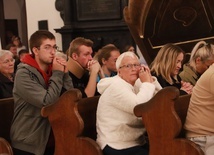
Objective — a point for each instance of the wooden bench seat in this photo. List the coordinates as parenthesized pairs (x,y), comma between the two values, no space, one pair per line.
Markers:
(163,117)
(6,116)
(73,121)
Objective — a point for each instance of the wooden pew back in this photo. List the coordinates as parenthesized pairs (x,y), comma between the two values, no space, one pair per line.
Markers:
(73,121)
(6,116)
(164,124)
(5,148)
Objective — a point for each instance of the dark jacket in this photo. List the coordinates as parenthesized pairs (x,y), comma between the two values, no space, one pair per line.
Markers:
(164,83)
(6,87)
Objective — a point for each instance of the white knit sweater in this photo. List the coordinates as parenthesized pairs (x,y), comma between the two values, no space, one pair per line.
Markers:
(117,126)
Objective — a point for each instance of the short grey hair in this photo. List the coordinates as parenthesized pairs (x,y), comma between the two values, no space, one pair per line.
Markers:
(3,52)
(125,54)
(62,55)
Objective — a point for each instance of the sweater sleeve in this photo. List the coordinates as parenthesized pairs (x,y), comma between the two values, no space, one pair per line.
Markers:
(126,99)
(30,87)
(67,82)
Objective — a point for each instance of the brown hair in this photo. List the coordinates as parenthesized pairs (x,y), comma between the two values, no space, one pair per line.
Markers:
(37,38)
(76,43)
(105,52)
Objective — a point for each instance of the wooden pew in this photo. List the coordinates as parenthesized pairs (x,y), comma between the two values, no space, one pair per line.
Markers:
(5,148)
(6,116)
(163,117)
(73,121)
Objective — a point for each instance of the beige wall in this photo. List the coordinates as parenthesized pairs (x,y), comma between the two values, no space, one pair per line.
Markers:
(43,10)
(12,11)
(36,10)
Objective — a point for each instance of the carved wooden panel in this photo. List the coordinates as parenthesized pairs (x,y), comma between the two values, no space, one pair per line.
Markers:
(183,22)
(101,21)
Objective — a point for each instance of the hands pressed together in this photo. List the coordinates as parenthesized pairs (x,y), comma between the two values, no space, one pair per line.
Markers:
(144,74)
(60,64)
(94,67)
(187,87)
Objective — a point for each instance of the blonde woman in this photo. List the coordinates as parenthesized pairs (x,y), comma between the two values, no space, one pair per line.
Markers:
(166,67)
(202,56)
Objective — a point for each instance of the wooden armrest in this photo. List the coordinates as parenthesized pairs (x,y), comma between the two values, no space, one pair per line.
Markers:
(6,116)
(68,125)
(163,124)
(5,147)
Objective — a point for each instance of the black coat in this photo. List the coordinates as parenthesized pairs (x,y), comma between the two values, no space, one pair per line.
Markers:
(164,83)
(6,87)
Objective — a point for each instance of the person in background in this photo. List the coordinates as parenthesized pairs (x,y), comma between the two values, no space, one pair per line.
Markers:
(21,55)
(12,48)
(39,82)
(107,57)
(17,41)
(166,67)
(6,73)
(129,48)
(199,124)
(119,131)
(82,68)
(202,56)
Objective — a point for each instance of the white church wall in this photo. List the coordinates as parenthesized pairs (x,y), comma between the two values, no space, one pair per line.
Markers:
(38,10)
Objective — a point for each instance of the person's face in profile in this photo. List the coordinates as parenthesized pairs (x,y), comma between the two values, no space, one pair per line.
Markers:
(7,64)
(178,64)
(111,62)
(84,56)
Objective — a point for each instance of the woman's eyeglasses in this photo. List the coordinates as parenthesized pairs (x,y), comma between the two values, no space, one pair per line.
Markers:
(130,66)
(7,61)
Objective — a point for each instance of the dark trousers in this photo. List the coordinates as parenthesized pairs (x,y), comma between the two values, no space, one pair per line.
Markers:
(136,150)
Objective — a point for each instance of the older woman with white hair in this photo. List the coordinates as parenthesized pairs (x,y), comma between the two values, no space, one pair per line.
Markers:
(202,56)
(6,73)
(119,130)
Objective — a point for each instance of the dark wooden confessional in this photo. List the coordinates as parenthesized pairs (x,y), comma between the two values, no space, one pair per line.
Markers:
(154,23)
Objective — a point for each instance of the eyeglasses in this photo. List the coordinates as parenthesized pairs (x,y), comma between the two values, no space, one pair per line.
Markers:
(7,61)
(49,48)
(130,66)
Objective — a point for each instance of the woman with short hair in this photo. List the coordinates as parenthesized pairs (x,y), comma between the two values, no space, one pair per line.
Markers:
(6,73)
(119,131)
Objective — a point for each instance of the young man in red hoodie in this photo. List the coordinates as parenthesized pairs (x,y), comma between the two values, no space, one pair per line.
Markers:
(40,79)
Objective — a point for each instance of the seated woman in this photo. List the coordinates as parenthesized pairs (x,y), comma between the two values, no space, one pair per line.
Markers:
(107,57)
(166,67)
(202,56)
(6,73)
(199,124)
(119,131)
(17,41)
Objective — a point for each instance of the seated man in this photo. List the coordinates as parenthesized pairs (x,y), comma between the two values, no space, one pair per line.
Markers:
(82,68)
